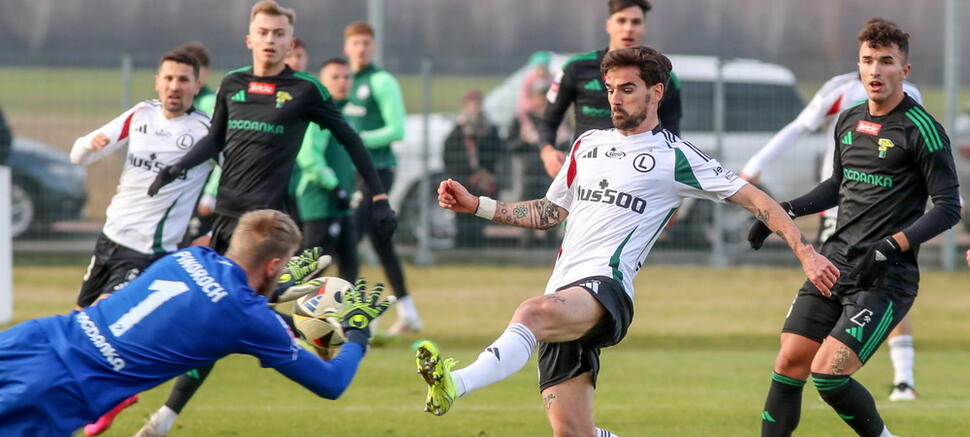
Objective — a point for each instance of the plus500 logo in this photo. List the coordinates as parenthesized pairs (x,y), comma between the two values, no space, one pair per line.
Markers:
(613,197)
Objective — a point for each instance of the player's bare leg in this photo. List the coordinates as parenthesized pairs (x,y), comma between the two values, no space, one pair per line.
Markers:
(569,408)
(784,402)
(902,353)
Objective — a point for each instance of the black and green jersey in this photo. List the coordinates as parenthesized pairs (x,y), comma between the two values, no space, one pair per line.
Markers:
(580,84)
(886,168)
(258,124)
(376,109)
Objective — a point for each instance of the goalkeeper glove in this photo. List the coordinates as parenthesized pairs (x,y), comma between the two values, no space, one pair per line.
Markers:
(759,230)
(165,176)
(359,309)
(874,264)
(293,282)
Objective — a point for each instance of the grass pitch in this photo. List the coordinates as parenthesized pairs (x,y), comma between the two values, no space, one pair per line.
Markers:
(695,363)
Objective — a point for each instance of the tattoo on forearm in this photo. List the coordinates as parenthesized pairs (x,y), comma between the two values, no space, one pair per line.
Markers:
(555,298)
(547,400)
(840,360)
(763,215)
(535,214)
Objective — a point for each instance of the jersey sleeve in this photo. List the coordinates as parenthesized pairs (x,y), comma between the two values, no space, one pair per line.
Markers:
(387,93)
(268,339)
(116,130)
(212,144)
(935,161)
(700,176)
(827,102)
(561,94)
(312,160)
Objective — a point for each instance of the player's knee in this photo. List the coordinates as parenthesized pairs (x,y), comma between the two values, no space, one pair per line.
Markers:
(570,428)
(793,362)
(535,313)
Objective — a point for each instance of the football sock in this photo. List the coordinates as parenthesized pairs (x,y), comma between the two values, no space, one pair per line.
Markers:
(901,351)
(507,355)
(406,309)
(886,433)
(604,433)
(164,418)
(185,387)
(851,401)
(783,407)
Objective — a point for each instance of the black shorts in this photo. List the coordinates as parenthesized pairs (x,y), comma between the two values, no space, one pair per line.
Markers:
(222,229)
(860,318)
(559,362)
(112,266)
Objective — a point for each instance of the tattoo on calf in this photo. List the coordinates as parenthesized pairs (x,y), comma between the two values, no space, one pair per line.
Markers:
(547,400)
(556,298)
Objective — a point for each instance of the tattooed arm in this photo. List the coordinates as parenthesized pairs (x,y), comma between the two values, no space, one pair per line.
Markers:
(817,268)
(534,214)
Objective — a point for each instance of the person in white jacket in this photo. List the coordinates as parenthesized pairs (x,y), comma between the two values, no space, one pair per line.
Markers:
(835,96)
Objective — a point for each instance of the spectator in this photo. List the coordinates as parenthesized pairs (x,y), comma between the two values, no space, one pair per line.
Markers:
(471,151)
(538,73)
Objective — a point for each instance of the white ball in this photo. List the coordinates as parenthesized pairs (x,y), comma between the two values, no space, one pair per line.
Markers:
(310,311)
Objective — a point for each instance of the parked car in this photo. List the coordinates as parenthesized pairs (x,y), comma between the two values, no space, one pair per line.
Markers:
(760,99)
(46,186)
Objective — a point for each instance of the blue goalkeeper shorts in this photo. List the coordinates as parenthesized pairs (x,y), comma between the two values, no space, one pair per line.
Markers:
(38,396)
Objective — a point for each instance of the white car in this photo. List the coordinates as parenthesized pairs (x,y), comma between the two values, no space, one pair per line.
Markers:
(760,99)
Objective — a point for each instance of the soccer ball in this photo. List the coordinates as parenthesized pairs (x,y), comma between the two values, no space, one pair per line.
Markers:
(311,310)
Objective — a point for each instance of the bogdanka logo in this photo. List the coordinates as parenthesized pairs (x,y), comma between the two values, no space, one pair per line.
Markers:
(866,178)
(262,88)
(867,127)
(259,126)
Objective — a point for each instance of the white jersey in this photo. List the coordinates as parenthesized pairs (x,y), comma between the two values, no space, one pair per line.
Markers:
(620,192)
(835,96)
(150,225)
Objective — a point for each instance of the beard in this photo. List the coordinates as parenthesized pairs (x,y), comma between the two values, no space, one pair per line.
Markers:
(629,122)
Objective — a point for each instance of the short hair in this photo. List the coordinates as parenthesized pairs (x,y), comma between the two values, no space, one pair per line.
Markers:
(198,50)
(619,5)
(270,7)
(334,60)
(181,57)
(654,66)
(299,43)
(262,235)
(358,28)
(879,32)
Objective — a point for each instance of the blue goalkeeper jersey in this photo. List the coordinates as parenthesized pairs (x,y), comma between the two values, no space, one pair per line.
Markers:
(189,308)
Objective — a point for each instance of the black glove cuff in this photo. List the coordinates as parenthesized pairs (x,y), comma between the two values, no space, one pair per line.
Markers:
(357,335)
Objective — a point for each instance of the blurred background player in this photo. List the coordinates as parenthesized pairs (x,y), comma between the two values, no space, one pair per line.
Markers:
(260,118)
(588,301)
(187,309)
(471,152)
(580,84)
(140,229)
(891,157)
(375,108)
(835,97)
(326,181)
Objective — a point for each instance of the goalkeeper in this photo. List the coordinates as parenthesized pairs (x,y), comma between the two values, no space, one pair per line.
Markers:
(58,373)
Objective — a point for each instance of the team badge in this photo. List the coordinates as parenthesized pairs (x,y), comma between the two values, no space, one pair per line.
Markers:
(282,97)
(644,162)
(184,141)
(868,127)
(884,145)
(262,88)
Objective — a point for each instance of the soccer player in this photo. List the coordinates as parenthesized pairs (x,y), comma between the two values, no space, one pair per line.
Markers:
(140,229)
(298,58)
(189,308)
(579,84)
(835,97)
(632,177)
(326,180)
(260,118)
(375,107)
(890,156)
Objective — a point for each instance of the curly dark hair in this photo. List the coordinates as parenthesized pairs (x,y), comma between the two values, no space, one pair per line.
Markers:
(654,66)
(879,32)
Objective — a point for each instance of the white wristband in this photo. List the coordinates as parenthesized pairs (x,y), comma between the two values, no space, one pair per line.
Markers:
(486,207)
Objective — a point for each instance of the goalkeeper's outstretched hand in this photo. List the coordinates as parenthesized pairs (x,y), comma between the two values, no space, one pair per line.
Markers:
(359,310)
(294,282)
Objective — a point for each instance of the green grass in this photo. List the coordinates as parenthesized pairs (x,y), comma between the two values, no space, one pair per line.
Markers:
(695,362)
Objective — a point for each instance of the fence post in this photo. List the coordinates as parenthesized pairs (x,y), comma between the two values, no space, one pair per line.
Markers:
(424,257)
(6,247)
(718,255)
(951,91)
(126,72)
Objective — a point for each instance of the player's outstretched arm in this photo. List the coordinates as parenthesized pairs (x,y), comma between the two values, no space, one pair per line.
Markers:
(819,270)
(533,214)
